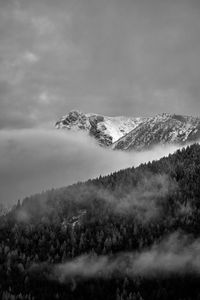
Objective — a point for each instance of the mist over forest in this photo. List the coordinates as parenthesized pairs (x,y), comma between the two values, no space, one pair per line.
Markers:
(134,232)
(34,160)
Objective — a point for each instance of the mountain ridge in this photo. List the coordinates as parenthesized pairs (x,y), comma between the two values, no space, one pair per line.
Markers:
(104,129)
(134,133)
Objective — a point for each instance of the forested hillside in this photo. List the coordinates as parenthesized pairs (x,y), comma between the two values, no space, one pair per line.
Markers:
(134,234)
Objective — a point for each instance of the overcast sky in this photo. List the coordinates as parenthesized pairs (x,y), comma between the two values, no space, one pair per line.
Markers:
(112,57)
(130,57)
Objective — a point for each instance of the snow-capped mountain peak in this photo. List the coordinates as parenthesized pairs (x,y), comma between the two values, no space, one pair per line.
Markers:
(106,130)
(133,133)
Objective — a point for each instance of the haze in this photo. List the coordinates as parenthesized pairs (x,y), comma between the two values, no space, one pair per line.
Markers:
(34,160)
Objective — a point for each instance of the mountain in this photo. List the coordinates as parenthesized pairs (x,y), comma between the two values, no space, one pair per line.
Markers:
(131,133)
(131,235)
(175,173)
(106,130)
(161,129)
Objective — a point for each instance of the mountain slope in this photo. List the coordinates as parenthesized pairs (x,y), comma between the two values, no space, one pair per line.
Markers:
(129,133)
(132,235)
(160,129)
(170,174)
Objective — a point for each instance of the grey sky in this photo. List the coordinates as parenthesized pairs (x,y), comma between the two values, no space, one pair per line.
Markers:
(131,57)
(115,57)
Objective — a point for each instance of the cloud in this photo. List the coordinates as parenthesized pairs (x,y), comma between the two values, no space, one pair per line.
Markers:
(14,70)
(42,25)
(136,58)
(44,98)
(32,160)
(146,201)
(31,57)
(176,254)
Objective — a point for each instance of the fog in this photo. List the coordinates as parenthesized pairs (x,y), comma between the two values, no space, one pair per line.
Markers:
(177,253)
(146,201)
(34,160)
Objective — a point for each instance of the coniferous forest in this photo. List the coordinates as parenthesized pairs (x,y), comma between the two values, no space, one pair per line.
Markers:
(132,235)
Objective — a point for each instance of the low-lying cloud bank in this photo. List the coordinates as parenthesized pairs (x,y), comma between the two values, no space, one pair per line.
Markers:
(146,201)
(176,254)
(33,160)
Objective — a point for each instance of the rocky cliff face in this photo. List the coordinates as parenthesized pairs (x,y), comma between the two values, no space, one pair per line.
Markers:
(129,133)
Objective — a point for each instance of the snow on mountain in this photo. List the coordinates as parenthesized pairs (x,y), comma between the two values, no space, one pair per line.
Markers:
(106,130)
(161,129)
(131,133)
